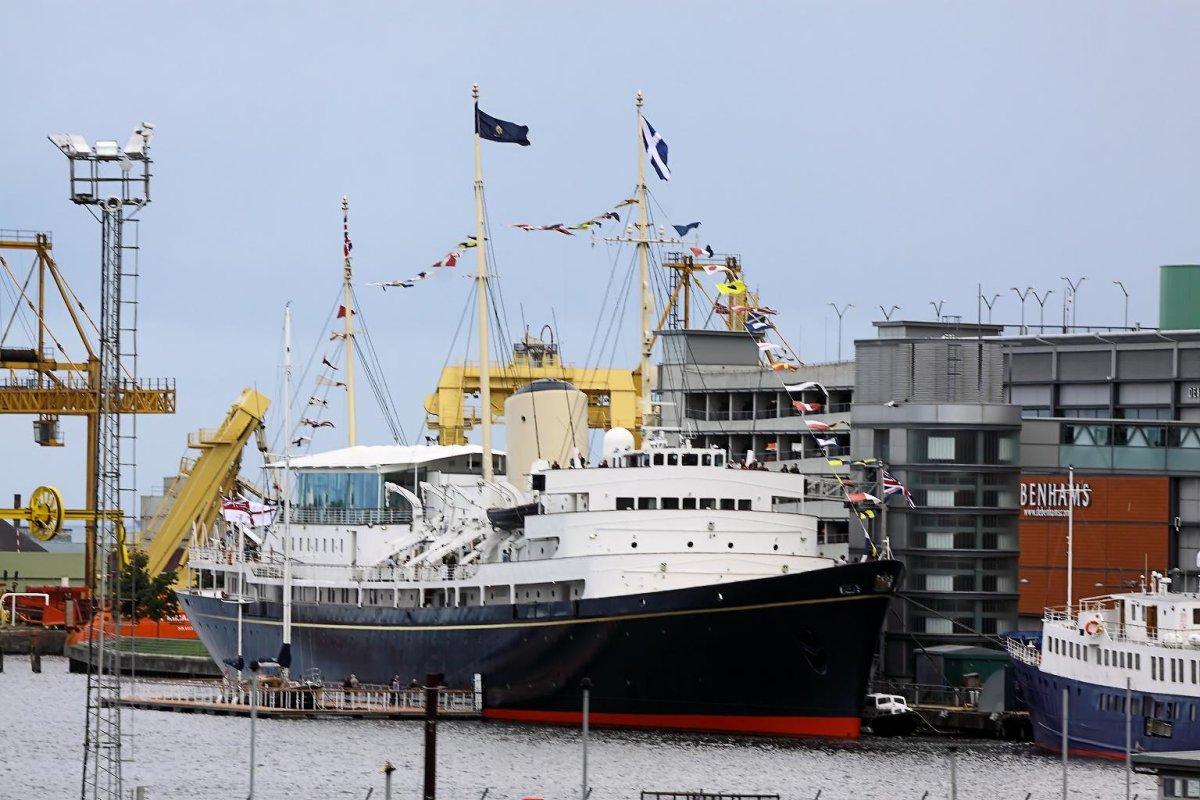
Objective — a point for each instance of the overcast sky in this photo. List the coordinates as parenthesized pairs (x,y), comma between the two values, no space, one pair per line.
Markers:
(851,152)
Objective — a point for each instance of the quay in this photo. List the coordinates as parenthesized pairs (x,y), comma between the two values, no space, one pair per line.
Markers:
(304,701)
(169,658)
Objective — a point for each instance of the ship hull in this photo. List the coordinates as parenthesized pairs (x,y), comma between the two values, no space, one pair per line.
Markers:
(786,655)
(1097,720)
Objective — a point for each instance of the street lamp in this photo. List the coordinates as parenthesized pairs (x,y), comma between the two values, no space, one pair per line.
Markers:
(1125,292)
(841,313)
(1022,295)
(989,304)
(887,314)
(1069,299)
(937,308)
(1041,301)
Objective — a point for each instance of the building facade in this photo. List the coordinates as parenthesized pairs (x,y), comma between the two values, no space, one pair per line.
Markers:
(929,403)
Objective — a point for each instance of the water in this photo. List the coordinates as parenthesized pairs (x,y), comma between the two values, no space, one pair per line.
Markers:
(201,757)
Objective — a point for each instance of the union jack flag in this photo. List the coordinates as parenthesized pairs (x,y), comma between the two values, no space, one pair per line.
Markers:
(892,486)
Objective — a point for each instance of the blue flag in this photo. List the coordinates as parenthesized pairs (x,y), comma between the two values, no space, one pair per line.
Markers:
(656,150)
(683,230)
(498,130)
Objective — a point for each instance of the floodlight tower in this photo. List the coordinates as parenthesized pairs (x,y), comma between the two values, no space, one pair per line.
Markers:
(114,184)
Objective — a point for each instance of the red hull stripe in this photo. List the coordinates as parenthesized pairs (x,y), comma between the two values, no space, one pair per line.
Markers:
(1084,752)
(833,727)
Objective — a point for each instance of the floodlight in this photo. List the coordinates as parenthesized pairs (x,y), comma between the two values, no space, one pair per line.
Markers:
(62,141)
(136,146)
(106,148)
(79,145)
(71,144)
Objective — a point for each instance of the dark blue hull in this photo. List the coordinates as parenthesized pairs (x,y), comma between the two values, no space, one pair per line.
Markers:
(1096,715)
(789,654)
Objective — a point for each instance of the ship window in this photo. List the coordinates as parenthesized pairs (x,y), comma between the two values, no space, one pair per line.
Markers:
(1137,660)
(1104,655)
(647,503)
(727,504)
(706,460)
(1193,671)
(1085,653)
(718,460)
(672,459)
(689,503)
(708,502)
(624,503)
(670,503)
(658,459)
(1196,616)
(743,505)
(690,460)
(1153,669)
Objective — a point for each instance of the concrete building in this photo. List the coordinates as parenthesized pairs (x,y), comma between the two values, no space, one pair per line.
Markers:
(713,389)
(929,402)
(1124,410)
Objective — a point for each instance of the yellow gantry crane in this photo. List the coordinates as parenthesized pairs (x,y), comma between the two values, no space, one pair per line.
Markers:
(41,380)
(614,395)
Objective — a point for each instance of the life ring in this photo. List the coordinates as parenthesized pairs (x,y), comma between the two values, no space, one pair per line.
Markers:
(1093,627)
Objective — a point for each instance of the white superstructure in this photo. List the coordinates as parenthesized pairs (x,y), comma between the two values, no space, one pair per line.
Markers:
(408,527)
(1150,637)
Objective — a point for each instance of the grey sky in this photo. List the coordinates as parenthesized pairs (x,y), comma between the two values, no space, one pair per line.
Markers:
(851,152)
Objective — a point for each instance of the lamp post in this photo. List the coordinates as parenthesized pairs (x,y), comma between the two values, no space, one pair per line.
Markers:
(989,304)
(840,313)
(1041,301)
(1069,298)
(1125,292)
(1021,296)
(937,308)
(887,313)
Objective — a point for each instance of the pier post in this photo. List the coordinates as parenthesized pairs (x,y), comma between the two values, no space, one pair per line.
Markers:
(1066,699)
(388,769)
(35,661)
(253,720)
(1,659)
(586,683)
(953,773)
(432,681)
(1128,735)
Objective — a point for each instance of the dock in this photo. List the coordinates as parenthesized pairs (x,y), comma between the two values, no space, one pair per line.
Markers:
(173,658)
(304,701)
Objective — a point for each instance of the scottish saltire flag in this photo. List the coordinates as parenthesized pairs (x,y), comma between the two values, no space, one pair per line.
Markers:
(683,230)
(656,150)
(498,130)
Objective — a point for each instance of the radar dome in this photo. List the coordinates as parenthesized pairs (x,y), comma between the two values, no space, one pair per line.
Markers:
(618,440)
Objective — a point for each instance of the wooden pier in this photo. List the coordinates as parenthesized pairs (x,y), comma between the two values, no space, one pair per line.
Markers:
(303,701)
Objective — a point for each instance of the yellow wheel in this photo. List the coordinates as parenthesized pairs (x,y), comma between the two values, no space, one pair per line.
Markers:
(45,512)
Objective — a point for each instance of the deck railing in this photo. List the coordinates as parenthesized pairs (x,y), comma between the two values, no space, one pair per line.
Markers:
(271,566)
(329,697)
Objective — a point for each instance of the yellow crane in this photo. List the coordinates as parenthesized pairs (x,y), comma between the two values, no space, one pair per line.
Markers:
(194,500)
(614,395)
(42,380)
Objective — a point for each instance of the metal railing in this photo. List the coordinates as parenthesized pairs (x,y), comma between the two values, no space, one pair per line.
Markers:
(324,697)
(1023,652)
(225,558)
(350,516)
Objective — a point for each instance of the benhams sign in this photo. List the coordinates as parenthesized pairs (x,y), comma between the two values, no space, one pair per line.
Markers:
(1052,499)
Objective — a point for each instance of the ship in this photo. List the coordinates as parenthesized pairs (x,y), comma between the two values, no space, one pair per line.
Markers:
(692,595)
(1128,666)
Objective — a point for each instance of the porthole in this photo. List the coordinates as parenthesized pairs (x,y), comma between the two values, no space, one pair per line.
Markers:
(633,545)
(774,547)
(689,544)
(731,545)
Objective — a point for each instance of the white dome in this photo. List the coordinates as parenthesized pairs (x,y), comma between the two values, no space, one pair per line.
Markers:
(618,440)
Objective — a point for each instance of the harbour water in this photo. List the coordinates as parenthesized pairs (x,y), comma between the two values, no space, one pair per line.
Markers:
(204,758)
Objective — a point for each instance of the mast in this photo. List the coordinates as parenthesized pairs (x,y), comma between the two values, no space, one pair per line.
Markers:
(348,327)
(287,478)
(481,304)
(643,250)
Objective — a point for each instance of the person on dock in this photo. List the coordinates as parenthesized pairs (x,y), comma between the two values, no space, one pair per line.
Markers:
(397,686)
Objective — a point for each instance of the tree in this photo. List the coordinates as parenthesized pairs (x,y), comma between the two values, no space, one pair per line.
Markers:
(144,596)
